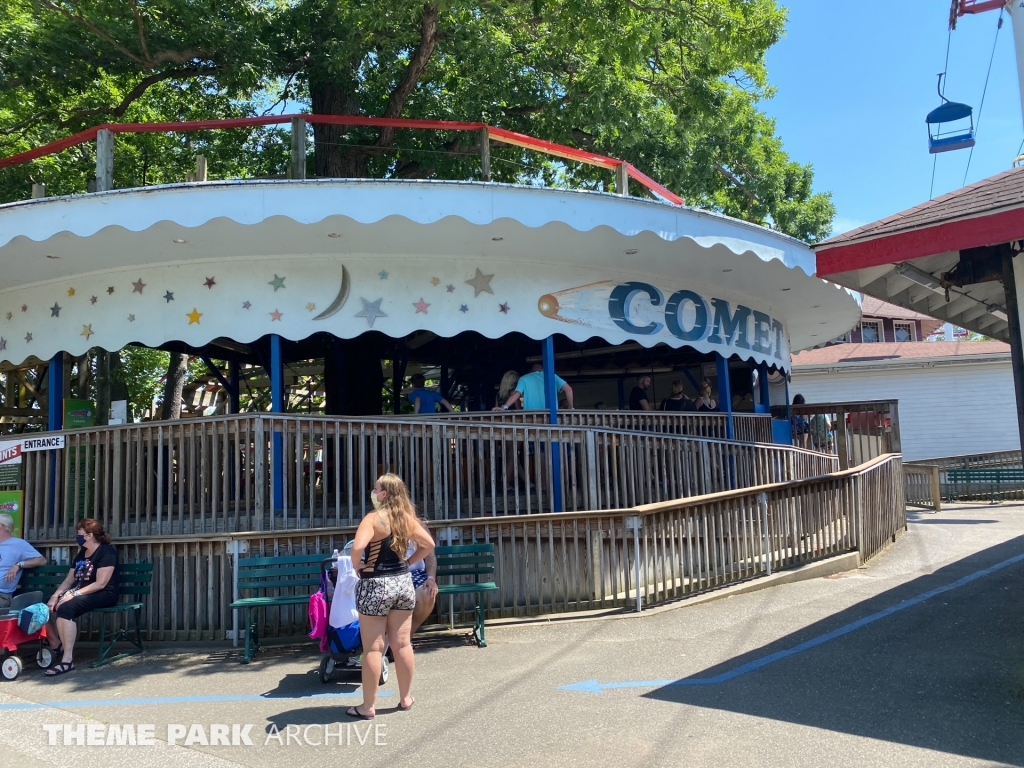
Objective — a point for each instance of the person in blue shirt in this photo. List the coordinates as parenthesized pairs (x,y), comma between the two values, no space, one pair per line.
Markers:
(531,389)
(15,556)
(425,400)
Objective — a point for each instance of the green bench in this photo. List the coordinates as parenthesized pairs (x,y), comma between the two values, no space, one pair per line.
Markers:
(969,481)
(135,582)
(297,574)
(474,560)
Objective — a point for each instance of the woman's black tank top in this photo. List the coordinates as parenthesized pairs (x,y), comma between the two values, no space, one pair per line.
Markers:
(380,560)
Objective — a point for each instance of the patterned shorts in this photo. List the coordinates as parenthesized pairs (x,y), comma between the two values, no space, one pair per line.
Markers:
(379,595)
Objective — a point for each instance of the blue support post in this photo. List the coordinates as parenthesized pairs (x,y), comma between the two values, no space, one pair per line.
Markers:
(725,399)
(54,421)
(762,380)
(724,393)
(55,399)
(277,406)
(551,395)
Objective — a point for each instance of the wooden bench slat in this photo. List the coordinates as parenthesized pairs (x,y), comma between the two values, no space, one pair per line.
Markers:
(259,573)
(280,584)
(463,549)
(254,562)
(465,560)
(483,586)
(254,602)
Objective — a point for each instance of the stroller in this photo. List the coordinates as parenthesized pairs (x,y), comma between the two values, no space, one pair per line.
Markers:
(343,642)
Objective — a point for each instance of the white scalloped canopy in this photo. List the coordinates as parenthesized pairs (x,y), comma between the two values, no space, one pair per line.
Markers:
(194,262)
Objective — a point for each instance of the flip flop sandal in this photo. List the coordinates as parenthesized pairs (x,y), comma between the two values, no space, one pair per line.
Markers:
(60,669)
(354,712)
(406,709)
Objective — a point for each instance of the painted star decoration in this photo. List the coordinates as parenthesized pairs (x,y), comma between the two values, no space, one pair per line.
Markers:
(138,285)
(169,297)
(28,337)
(71,291)
(24,307)
(277,282)
(463,309)
(210,282)
(55,310)
(371,310)
(480,283)
(450,288)
(435,282)
(10,315)
(383,275)
(193,316)
(131,318)
(86,331)
(275,315)
(421,306)
(503,308)
(246,304)
(92,299)
(310,307)
(110,290)
(3,343)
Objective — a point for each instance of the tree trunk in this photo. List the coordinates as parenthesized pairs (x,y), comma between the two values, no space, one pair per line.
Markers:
(330,158)
(177,367)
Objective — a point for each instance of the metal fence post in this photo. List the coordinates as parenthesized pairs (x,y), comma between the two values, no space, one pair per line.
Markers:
(634,522)
(762,505)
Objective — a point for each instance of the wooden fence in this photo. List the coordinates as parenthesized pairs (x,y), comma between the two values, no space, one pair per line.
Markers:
(855,432)
(558,562)
(270,472)
(748,427)
(964,488)
(923,487)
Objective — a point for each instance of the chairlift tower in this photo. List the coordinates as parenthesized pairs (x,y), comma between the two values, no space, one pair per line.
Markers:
(1015,10)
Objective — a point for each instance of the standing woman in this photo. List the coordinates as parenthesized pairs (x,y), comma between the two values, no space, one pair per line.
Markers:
(92,583)
(385,597)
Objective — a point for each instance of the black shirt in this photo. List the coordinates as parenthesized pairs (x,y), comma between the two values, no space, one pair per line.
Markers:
(635,397)
(86,568)
(671,404)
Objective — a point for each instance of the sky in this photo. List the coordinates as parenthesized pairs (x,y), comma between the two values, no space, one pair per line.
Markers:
(854,82)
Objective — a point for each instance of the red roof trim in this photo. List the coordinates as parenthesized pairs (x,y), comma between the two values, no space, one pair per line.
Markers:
(925,241)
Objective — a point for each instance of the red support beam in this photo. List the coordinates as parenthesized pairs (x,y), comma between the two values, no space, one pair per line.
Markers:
(975,232)
(499,134)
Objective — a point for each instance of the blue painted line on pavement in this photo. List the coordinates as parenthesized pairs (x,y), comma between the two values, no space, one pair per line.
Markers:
(182,700)
(593,686)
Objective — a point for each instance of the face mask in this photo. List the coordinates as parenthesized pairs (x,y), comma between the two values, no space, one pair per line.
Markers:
(374,500)
(80,538)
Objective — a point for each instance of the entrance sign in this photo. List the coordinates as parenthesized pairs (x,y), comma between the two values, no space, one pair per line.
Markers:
(42,443)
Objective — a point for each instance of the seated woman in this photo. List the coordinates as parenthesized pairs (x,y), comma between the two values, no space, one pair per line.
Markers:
(92,583)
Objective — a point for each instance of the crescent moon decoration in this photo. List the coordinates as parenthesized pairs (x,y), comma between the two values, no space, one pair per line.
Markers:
(339,300)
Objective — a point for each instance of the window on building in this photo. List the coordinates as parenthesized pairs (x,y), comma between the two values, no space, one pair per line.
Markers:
(870,331)
(903,331)
(844,339)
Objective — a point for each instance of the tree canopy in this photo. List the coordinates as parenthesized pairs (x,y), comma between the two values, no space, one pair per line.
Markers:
(673,86)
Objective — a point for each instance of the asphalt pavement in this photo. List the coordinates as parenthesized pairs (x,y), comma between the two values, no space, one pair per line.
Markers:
(916,659)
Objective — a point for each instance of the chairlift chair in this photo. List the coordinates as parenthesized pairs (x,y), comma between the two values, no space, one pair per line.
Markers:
(961,137)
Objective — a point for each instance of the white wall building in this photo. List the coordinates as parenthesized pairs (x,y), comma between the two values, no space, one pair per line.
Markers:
(954,397)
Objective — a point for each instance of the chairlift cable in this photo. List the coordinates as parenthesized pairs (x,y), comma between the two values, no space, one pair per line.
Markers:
(984,90)
(945,68)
